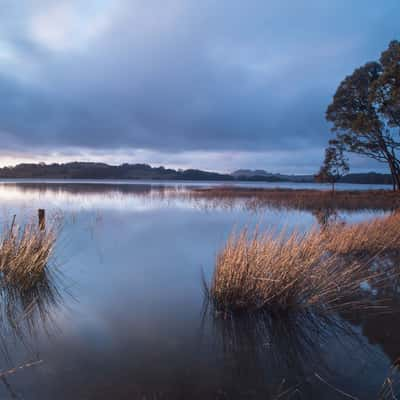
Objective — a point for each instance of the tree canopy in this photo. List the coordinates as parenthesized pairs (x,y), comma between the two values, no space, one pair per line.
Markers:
(365,111)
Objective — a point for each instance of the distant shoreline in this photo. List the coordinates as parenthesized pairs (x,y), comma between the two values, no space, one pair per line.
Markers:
(142,172)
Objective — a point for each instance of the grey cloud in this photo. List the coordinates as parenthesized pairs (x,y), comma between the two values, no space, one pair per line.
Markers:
(182,76)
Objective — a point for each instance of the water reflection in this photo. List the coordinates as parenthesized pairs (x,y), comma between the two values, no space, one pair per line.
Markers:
(325,217)
(138,332)
(26,314)
(383,328)
(283,351)
(77,197)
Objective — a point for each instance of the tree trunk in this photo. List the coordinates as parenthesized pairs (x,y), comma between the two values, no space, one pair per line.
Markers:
(395,172)
(397,180)
(393,177)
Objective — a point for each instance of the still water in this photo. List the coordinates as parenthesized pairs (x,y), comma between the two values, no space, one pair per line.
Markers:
(124,317)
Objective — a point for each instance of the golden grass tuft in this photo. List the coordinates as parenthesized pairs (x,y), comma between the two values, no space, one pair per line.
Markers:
(315,270)
(25,253)
(365,238)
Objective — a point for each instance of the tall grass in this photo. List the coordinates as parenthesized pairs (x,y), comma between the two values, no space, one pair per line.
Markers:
(380,235)
(299,199)
(25,252)
(320,269)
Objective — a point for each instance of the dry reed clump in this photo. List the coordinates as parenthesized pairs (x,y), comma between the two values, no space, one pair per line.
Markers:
(301,271)
(24,253)
(365,238)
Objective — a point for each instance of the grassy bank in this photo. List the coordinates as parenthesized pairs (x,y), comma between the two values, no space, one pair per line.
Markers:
(322,269)
(301,199)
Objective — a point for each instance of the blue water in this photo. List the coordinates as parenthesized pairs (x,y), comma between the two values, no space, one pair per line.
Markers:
(128,322)
(171,183)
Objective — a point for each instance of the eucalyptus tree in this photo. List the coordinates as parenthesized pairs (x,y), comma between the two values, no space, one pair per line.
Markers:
(365,111)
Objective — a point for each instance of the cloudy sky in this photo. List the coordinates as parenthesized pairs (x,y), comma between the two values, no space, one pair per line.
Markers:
(212,84)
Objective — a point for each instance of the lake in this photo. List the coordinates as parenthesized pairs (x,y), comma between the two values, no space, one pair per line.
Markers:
(124,316)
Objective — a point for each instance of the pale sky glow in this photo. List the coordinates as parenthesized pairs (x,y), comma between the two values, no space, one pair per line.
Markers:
(68,25)
(181,83)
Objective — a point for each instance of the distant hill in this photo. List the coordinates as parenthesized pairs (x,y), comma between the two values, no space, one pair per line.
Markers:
(251,174)
(92,170)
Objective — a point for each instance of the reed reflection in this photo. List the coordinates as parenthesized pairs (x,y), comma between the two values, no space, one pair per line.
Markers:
(278,356)
(26,314)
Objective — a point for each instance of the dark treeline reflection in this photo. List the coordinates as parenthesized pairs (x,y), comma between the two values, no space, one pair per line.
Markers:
(84,188)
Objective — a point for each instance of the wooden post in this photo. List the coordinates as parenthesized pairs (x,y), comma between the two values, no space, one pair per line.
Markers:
(42,219)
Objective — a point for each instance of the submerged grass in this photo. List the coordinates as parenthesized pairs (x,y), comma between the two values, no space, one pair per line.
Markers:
(326,270)
(391,386)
